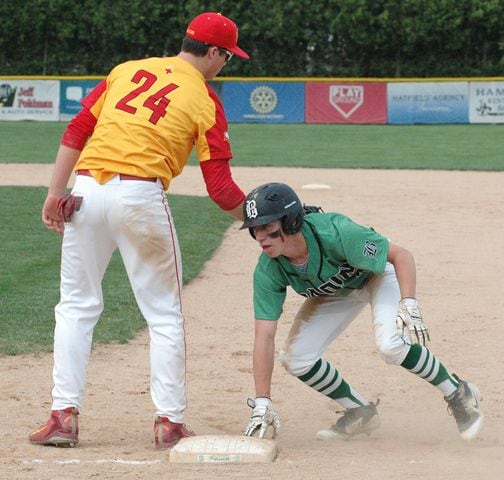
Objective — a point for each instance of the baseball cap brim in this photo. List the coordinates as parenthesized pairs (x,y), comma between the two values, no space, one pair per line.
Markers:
(238,51)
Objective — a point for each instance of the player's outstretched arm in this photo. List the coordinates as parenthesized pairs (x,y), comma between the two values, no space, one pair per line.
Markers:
(221,187)
(264,356)
(236,212)
(263,414)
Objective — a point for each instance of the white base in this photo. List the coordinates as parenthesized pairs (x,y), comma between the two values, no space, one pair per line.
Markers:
(224,449)
(315,186)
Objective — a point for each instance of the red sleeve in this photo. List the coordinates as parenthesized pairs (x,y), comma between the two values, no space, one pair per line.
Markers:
(79,129)
(220,184)
(94,95)
(82,125)
(217,137)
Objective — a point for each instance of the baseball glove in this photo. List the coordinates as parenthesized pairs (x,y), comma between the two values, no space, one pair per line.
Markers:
(67,205)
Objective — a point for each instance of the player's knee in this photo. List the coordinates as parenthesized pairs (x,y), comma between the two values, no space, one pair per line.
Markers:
(393,350)
(292,365)
(284,359)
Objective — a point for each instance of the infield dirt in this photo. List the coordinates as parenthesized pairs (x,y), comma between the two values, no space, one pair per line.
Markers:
(453,224)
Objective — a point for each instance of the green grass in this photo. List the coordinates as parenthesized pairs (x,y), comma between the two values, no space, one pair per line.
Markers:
(30,142)
(30,260)
(444,147)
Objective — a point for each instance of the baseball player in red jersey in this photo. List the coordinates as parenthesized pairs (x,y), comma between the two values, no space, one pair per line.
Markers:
(134,134)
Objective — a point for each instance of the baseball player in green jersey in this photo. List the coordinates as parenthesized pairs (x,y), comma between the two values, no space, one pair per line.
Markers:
(339,267)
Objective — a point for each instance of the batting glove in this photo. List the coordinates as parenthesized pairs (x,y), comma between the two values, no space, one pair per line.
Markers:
(67,205)
(263,416)
(409,316)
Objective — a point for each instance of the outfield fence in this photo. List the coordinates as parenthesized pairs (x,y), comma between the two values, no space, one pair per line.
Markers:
(291,100)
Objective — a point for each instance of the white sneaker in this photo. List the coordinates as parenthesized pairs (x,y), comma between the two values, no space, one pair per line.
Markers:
(354,421)
(464,405)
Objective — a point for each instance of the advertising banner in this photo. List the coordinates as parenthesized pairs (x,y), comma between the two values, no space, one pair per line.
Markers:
(29,99)
(264,102)
(428,102)
(71,94)
(345,102)
(486,102)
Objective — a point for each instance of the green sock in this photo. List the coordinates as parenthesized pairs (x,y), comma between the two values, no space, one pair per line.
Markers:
(424,364)
(324,378)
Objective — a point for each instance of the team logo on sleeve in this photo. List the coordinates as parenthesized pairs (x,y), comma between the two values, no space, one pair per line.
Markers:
(251,209)
(370,249)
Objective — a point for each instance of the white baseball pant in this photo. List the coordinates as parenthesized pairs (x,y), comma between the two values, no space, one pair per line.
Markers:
(133,216)
(320,320)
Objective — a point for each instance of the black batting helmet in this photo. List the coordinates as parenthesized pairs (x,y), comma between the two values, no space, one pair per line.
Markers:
(270,202)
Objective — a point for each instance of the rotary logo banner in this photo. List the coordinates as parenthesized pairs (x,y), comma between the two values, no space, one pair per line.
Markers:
(264,102)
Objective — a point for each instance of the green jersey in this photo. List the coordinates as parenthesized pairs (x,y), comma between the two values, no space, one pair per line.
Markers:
(342,255)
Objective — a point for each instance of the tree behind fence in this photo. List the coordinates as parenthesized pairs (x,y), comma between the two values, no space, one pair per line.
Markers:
(289,38)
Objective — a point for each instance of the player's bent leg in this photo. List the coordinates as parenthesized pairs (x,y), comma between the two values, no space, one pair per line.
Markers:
(463,398)
(317,324)
(392,349)
(423,363)
(327,380)
(384,296)
(61,430)
(359,416)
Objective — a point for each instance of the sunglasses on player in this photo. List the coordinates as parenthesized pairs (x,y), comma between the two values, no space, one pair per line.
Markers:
(228,54)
